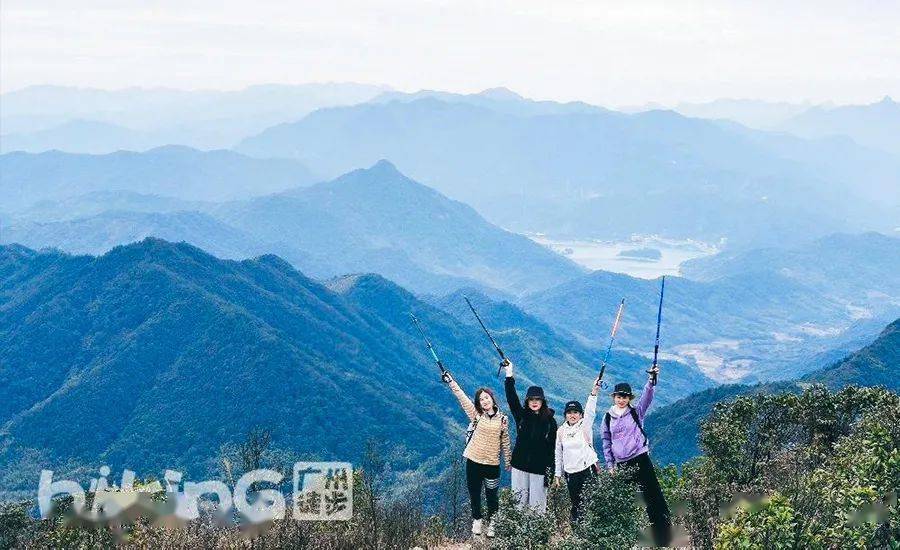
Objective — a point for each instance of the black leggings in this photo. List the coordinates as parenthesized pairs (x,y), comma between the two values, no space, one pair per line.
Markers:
(657,509)
(488,476)
(575,484)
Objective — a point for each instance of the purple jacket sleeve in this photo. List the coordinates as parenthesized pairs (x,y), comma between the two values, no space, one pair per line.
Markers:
(645,400)
(607,446)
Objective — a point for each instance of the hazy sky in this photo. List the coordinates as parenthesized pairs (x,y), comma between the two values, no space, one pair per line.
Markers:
(611,53)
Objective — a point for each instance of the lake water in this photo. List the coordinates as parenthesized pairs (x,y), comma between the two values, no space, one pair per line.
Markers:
(608,255)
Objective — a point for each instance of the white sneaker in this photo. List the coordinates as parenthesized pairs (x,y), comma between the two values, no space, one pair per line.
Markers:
(476,526)
(490,529)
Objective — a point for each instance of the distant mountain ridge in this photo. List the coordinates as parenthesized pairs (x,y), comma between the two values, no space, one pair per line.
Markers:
(876,125)
(97,202)
(859,269)
(379,220)
(102,232)
(79,136)
(39,118)
(594,172)
(496,99)
(174,171)
(755,315)
(749,112)
(730,327)
(369,220)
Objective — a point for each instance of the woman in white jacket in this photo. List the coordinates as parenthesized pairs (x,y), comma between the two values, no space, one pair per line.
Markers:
(576,458)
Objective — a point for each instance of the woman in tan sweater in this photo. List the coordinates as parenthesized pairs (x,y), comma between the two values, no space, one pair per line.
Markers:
(486,437)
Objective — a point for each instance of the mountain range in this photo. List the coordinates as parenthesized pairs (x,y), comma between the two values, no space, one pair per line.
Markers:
(873,125)
(87,120)
(599,173)
(372,220)
(172,171)
(873,365)
(568,170)
(673,428)
(155,354)
(556,350)
(753,113)
(876,125)
(101,232)
(727,327)
(759,315)
(381,221)
(81,136)
(858,269)
(501,100)
(739,316)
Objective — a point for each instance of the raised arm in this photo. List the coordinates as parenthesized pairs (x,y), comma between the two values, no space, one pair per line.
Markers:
(590,414)
(512,398)
(590,410)
(645,399)
(463,399)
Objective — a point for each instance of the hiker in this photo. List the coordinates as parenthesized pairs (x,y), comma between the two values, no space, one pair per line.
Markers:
(576,459)
(532,456)
(486,437)
(626,444)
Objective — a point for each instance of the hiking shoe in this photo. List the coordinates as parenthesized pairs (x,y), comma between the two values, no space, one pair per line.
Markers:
(490,529)
(476,526)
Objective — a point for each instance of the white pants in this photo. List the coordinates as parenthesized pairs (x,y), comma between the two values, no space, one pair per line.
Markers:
(530,490)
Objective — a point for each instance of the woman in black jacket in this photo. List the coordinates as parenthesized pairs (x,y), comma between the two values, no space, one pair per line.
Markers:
(533,454)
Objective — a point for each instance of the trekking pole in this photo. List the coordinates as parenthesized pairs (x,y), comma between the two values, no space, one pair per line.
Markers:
(653,373)
(503,360)
(428,343)
(612,337)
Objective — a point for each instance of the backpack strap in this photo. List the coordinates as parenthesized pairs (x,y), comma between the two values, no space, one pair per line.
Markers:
(473,425)
(634,415)
(637,421)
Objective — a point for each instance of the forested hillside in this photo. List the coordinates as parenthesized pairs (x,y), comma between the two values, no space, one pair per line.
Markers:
(674,428)
(103,358)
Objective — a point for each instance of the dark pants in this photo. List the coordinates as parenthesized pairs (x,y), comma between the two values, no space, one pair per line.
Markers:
(575,484)
(657,509)
(478,475)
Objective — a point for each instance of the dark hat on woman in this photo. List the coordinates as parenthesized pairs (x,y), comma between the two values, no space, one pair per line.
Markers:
(574,406)
(623,388)
(535,392)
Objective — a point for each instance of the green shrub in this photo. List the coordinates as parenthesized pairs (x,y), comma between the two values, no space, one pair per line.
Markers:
(612,517)
(520,527)
(772,525)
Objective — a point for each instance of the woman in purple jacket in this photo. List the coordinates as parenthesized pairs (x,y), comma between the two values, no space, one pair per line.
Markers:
(625,444)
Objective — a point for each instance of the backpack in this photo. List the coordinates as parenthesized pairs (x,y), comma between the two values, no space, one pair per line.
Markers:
(607,417)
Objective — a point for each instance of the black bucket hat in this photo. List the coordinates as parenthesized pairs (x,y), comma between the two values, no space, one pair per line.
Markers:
(573,406)
(623,388)
(535,392)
